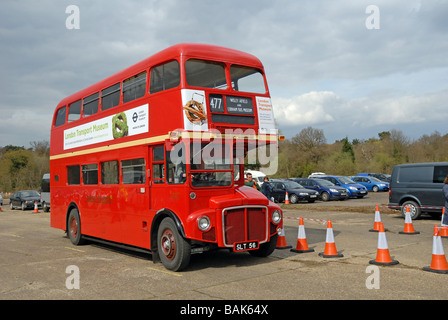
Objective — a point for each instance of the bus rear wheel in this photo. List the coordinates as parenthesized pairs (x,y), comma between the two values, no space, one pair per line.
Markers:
(74,228)
(174,250)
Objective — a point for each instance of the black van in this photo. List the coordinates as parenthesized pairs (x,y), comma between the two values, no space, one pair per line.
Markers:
(419,186)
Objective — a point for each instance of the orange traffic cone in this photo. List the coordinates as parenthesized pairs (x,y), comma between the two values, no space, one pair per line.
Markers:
(286,198)
(281,240)
(35,207)
(408,227)
(302,245)
(376,224)
(438,262)
(444,228)
(330,247)
(382,256)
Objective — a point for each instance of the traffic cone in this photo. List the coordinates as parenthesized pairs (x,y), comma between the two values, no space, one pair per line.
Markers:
(35,207)
(444,228)
(376,224)
(330,247)
(438,262)
(408,227)
(286,198)
(302,245)
(382,256)
(281,240)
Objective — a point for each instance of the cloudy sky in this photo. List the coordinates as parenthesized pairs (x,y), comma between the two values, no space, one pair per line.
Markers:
(333,65)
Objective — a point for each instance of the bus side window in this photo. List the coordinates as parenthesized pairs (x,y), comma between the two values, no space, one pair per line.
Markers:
(60,117)
(74,111)
(73,175)
(165,76)
(90,173)
(133,171)
(110,97)
(134,87)
(176,171)
(109,172)
(158,165)
(91,104)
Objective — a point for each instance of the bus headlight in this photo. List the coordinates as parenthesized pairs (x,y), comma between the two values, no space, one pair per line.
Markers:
(204,223)
(276,216)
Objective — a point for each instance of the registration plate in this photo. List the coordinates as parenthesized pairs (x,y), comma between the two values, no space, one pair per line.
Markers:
(243,246)
(313,196)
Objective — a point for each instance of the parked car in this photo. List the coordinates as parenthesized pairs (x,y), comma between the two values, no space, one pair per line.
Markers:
(1,200)
(419,187)
(381,176)
(296,192)
(327,190)
(354,189)
(24,199)
(372,183)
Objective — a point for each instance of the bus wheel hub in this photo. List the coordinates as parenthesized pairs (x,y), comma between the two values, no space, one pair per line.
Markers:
(168,244)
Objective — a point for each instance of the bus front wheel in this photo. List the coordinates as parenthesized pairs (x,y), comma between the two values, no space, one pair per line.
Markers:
(74,227)
(174,250)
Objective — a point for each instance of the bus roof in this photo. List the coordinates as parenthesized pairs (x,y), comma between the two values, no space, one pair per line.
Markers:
(186,50)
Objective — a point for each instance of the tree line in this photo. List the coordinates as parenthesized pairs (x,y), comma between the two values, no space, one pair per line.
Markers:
(309,152)
(22,168)
(306,152)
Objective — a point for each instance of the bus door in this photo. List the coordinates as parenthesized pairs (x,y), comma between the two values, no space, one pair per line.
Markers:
(168,177)
(134,199)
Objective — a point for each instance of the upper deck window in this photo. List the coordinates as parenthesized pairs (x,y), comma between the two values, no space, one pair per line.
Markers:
(60,117)
(74,111)
(247,79)
(91,104)
(205,74)
(134,87)
(110,97)
(165,76)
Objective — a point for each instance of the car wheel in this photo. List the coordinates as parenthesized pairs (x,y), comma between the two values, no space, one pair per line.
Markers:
(11,206)
(23,206)
(293,198)
(414,209)
(325,196)
(375,189)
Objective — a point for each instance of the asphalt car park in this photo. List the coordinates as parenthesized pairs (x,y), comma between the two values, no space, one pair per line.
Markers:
(38,262)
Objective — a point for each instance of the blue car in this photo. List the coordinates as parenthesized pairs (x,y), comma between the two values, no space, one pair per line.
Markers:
(354,189)
(327,190)
(372,183)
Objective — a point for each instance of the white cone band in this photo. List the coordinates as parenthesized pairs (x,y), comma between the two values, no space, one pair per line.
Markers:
(382,242)
(301,234)
(407,218)
(377,216)
(330,236)
(437,247)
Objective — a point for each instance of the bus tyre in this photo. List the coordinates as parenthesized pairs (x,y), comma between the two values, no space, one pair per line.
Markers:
(74,228)
(266,248)
(174,250)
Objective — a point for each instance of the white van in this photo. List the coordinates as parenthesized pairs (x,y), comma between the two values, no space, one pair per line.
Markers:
(257,175)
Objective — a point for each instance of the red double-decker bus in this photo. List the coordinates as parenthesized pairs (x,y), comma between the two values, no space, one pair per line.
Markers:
(152,157)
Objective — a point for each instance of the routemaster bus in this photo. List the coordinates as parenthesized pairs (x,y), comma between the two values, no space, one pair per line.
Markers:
(152,157)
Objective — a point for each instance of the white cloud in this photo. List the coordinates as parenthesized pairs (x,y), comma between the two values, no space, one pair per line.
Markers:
(307,109)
